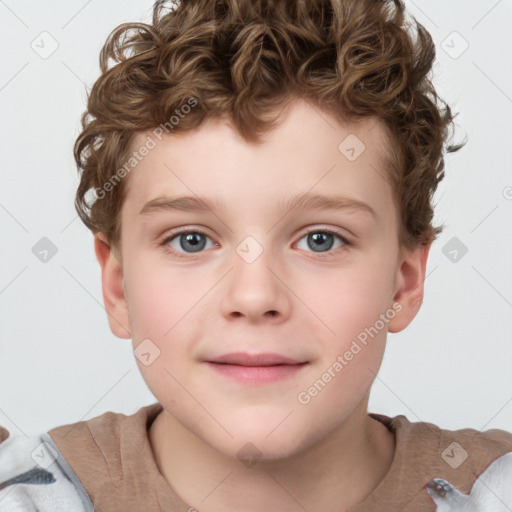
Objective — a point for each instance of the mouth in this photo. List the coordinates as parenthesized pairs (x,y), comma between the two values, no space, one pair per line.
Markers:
(257,368)
(244,359)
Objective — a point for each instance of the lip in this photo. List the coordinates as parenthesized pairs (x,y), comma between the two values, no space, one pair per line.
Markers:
(244,359)
(256,368)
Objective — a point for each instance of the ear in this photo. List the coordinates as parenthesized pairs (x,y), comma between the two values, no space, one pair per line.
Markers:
(112,285)
(409,286)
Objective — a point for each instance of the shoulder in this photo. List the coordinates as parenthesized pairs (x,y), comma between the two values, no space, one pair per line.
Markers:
(100,452)
(32,477)
(57,470)
(472,451)
(425,451)
(100,438)
(480,474)
(456,452)
(47,471)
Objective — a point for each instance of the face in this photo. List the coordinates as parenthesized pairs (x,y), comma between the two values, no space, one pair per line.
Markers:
(320,284)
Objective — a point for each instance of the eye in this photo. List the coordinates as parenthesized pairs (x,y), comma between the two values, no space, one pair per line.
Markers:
(322,241)
(187,242)
(190,241)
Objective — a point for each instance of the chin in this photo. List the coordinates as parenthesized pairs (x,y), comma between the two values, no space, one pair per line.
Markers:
(250,453)
(251,443)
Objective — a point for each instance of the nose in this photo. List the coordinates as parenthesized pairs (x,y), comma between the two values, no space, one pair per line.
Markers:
(256,286)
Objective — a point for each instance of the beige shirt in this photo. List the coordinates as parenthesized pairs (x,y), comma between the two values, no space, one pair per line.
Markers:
(112,457)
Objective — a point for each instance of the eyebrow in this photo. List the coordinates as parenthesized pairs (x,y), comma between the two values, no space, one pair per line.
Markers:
(302,201)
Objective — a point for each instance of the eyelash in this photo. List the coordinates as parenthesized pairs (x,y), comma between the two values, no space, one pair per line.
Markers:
(325,255)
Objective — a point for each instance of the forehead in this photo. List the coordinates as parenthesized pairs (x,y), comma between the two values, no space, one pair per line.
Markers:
(309,150)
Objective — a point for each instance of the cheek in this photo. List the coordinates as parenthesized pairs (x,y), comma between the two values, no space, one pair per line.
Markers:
(161,310)
(349,301)
(159,302)
(351,348)
(351,333)
(165,307)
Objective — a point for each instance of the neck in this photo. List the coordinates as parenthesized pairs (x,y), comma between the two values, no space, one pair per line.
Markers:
(333,475)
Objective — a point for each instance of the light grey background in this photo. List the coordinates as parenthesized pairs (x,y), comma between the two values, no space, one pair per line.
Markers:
(59,362)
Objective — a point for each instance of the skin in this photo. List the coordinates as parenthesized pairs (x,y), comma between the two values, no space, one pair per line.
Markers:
(327,454)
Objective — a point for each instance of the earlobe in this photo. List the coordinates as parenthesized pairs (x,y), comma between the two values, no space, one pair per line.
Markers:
(112,285)
(409,286)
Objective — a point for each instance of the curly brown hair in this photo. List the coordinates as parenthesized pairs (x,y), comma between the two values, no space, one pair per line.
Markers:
(245,60)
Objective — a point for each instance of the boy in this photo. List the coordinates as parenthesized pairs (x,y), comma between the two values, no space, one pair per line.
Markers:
(257,132)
